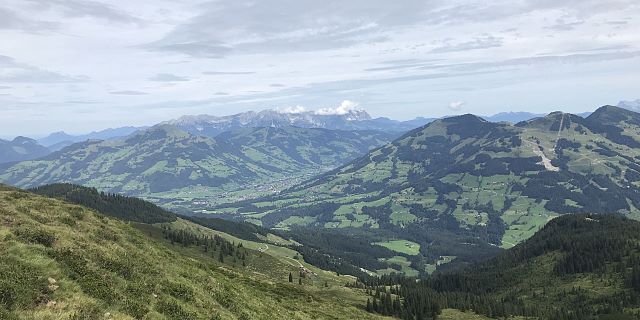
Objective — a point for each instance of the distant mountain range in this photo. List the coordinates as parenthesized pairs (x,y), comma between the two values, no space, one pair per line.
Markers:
(21,148)
(352,120)
(59,140)
(211,126)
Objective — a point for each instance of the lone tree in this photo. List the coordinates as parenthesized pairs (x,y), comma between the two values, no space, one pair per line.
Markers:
(290,277)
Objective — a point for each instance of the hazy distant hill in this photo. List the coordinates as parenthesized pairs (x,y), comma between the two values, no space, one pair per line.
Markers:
(513,117)
(20,149)
(630,105)
(59,140)
(165,158)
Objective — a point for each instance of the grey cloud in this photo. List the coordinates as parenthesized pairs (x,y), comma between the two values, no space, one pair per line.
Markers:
(208,49)
(129,93)
(5,87)
(212,73)
(87,8)
(562,25)
(287,25)
(441,72)
(13,21)
(83,102)
(478,43)
(576,58)
(168,77)
(19,72)
(277,85)
(248,27)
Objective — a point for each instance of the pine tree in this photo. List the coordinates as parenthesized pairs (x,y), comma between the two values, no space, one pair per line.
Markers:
(290,277)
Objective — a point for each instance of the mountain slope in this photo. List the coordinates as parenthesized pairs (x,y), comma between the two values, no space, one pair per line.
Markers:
(494,181)
(20,149)
(581,267)
(62,261)
(165,158)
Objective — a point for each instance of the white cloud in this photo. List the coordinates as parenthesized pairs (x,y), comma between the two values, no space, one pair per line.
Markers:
(345,107)
(456,105)
(296,109)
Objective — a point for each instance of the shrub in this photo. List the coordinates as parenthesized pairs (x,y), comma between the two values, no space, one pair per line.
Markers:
(19,284)
(36,235)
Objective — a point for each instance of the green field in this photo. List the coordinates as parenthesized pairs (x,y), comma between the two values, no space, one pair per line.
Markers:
(402,246)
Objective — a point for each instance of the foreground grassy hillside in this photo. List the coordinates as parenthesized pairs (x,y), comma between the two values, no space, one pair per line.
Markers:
(62,261)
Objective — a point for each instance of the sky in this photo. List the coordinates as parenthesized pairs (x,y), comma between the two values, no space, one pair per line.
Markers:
(84,65)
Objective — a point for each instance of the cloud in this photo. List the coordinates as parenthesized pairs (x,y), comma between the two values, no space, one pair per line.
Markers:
(277,85)
(296,109)
(345,107)
(83,101)
(167,77)
(13,21)
(213,73)
(456,105)
(241,27)
(86,8)
(483,42)
(245,26)
(129,93)
(13,71)
(563,25)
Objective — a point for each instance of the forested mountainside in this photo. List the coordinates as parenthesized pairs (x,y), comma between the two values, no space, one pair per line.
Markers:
(495,182)
(581,267)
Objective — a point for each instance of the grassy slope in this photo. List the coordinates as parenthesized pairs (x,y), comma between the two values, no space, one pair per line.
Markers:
(63,261)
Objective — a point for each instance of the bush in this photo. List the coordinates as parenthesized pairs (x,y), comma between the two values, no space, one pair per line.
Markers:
(173,310)
(179,291)
(19,284)
(36,235)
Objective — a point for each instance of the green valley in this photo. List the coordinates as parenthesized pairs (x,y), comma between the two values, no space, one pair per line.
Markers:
(486,182)
(184,171)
